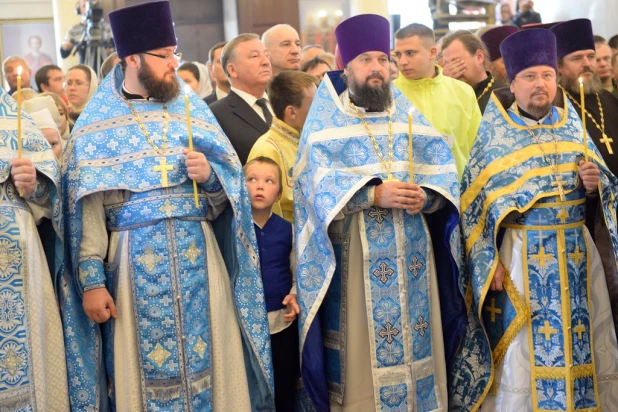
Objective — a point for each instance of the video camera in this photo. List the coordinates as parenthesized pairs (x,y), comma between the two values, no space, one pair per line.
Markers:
(94,18)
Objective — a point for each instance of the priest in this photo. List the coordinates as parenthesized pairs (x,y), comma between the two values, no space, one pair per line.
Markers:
(377,243)
(155,319)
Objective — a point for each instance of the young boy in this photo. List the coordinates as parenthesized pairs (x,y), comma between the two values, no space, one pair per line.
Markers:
(274,238)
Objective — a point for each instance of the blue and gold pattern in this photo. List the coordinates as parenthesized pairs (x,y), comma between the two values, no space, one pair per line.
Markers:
(107,151)
(16,380)
(508,183)
(336,160)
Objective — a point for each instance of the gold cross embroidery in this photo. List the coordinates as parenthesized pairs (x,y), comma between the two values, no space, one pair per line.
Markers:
(493,310)
(547,330)
(579,329)
(389,332)
(163,168)
(577,256)
(562,215)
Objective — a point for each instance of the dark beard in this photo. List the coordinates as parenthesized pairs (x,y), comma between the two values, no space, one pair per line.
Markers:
(158,89)
(572,86)
(373,99)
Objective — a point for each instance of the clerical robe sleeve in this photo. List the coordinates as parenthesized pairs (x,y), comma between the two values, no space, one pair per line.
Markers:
(94,242)
(475,122)
(39,200)
(362,199)
(217,199)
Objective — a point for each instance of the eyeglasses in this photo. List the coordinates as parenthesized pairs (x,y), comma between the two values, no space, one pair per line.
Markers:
(532,78)
(167,57)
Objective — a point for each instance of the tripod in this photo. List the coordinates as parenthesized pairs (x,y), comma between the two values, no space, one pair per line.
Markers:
(91,51)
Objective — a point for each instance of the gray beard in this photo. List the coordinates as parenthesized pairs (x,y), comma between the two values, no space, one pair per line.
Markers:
(572,86)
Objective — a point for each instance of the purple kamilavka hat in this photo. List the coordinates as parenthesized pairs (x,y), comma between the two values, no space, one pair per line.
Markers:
(529,48)
(361,34)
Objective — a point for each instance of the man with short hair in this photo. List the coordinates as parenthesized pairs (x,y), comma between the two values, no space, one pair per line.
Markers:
(222,84)
(376,276)
(9,69)
(153,313)
(540,334)
(492,39)
(604,65)
(310,51)
(464,59)
(245,113)
(283,45)
(613,43)
(577,59)
(448,104)
(316,67)
(291,93)
(50,78)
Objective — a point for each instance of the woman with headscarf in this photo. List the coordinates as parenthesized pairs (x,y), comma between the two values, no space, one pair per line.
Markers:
(197,77)
(81,85)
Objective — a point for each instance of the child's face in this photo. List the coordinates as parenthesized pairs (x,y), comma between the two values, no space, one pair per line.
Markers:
(263,184)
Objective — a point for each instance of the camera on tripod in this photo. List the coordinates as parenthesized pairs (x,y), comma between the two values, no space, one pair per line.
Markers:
(92,47)
(94,17)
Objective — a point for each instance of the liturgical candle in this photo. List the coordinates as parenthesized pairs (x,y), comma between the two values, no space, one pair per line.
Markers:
(581,97)
(411,151)
(197,202)
(19,145)
(19,149)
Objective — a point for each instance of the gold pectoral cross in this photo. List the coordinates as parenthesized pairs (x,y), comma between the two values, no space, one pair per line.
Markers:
(163,168)
(559,183)
(607,140)
(390,178)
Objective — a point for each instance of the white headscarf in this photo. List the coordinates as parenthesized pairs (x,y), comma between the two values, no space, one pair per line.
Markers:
(205,85)
(40,103)
(94,83)
(44,120)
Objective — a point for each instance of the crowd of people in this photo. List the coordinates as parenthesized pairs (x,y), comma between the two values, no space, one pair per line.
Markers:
(428,226)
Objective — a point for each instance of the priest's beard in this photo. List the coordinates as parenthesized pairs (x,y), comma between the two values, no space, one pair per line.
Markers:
(159,89)
(593,85)
(539,110)
(373,99)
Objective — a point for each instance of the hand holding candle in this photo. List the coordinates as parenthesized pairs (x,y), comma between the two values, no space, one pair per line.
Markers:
(190,131)
(581,97)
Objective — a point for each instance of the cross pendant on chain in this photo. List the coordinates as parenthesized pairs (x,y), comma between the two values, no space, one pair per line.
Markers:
(559,183)
(163,168)
(607,140)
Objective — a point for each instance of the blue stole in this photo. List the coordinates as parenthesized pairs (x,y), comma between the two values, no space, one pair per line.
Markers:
(336,160)
(108,151)
(17,385)
(508,172)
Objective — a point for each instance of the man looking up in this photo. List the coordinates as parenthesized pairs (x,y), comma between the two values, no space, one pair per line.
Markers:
(283,45)
(577,59)
(143,254)
(245,113)
(291,93)
(464,59)
(372,285)
(448,104)
(222,84)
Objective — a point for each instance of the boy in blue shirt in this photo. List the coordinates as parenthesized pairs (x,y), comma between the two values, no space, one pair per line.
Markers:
(274,238)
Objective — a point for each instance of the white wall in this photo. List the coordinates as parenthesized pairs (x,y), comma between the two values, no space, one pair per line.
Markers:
(26,9)
(602,13)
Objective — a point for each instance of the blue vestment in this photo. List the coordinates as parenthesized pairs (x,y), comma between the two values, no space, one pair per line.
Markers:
(168,264)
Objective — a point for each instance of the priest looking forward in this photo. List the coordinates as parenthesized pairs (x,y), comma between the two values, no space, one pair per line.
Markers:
(167,327)
(577,60)
(377,249)
(541,336)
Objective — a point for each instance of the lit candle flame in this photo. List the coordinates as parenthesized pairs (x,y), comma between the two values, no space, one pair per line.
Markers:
(581,81)
(19,70)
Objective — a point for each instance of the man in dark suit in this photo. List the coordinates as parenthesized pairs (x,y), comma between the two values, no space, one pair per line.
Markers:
(245,114)
(222,85)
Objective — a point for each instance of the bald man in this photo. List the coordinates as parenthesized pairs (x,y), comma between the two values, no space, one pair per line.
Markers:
(283,45)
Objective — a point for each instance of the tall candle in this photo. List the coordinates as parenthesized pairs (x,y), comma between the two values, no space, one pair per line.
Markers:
(19,144)
(581,97)
(411,150)
(195,196)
